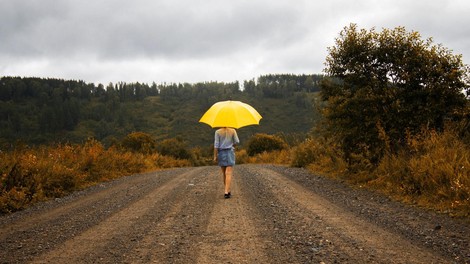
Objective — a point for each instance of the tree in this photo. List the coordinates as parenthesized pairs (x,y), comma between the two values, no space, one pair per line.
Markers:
(385,85)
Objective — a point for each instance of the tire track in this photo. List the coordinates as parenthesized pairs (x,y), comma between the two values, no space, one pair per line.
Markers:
(60,210)
(231,235)
(274,222)
(331,233)
(29,233)
(112,235)
(180,216)
(437,232)
(174,237)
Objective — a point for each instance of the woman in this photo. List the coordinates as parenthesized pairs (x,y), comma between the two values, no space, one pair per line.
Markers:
(224,153)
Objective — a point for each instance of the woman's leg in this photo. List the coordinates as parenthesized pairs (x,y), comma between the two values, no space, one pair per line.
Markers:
(223,169)
(228,178)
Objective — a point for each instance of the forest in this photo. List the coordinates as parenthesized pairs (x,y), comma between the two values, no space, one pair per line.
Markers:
(42,111)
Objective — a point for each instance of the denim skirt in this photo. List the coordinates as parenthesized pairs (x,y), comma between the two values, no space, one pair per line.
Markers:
(226,157)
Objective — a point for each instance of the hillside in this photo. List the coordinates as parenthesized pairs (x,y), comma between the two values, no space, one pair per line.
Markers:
(42,111)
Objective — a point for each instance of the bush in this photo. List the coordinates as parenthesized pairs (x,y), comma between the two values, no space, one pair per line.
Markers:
(304,154)
(139,142)
(319,156)
(434,170)
(29,175)
(260,143)
(174,147)
(202,156)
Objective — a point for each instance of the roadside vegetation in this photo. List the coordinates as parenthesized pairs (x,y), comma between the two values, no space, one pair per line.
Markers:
(432,171)
(396,118)
(33,174)
(392,116)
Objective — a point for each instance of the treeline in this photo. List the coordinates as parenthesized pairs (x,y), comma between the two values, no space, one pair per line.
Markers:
(282,85)
(45,90)
(42,110)
(18,89)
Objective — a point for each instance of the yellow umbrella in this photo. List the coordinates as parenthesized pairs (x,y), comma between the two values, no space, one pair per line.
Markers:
(231,114)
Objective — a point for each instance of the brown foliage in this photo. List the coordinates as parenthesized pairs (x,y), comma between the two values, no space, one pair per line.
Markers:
(29,175)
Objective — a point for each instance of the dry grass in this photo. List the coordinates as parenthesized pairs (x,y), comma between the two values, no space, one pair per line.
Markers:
(29,175)
(319,156)
(433,172)
(272,157)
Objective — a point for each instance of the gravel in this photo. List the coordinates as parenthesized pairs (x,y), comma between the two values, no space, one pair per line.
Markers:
(276,214)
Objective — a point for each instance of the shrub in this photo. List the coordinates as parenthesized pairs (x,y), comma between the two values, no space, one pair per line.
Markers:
(13,200)
(202,156)
(434,170)
(139,142)
(260,143)
(319,156)
(304,154)
(29,175)
(272,157)
(174,147)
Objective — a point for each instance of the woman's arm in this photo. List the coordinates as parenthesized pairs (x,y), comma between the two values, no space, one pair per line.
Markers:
(215,154)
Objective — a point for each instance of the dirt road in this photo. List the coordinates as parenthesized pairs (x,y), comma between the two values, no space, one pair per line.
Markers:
(276,215)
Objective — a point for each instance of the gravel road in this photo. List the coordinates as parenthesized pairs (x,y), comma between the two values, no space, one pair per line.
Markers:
(276,215)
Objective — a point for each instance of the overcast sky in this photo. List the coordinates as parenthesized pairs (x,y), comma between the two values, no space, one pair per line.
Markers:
(104,41)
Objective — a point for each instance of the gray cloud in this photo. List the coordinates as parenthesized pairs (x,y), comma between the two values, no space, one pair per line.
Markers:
(200,40)
(128,29)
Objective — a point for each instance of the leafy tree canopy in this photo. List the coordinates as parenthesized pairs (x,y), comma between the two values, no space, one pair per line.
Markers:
(387,84)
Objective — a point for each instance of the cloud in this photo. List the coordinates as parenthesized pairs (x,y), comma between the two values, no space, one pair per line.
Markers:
(139,29)
(199,40)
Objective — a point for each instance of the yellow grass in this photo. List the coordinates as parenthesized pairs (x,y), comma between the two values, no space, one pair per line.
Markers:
(433,172)
(29,175)
(272,157)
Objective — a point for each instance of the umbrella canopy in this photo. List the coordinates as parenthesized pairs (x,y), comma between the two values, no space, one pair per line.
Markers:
(231,114)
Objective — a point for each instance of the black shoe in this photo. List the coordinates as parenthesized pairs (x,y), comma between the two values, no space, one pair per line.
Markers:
(227,195)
